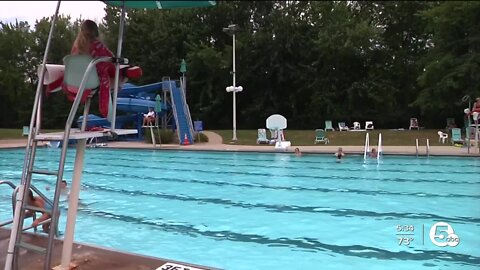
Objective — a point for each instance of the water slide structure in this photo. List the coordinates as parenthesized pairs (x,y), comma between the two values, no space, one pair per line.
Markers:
(133,101)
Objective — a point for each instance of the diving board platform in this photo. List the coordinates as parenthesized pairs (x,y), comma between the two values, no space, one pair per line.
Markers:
(76,134)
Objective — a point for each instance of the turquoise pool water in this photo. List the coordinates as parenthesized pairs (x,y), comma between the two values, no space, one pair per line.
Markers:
(272,211)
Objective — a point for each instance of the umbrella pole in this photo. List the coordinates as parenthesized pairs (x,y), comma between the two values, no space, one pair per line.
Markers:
(117,67)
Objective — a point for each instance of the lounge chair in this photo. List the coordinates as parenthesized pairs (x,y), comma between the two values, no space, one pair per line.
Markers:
(369,125)
(328,125)
(25,130)
(262,136)
(413,124)
(342,126)
(356,126)
(273,134)
(456,136)
(442,136)
(320,136)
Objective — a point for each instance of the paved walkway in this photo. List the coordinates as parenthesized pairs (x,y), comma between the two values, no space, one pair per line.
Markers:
(213,138)
(215,144)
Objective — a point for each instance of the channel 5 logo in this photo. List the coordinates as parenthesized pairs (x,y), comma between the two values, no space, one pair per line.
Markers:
(442,235)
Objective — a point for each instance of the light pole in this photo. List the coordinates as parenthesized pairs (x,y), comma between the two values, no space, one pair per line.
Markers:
(231,30)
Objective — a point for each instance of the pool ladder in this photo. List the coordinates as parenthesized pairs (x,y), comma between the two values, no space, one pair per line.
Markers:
(427,147)
(367,146)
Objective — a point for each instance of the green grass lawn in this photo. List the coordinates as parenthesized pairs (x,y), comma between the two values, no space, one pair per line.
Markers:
(306,137)
(11,133)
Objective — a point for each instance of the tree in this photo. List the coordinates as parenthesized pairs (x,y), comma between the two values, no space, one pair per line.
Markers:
(15,94)
(452,65)
(55,107)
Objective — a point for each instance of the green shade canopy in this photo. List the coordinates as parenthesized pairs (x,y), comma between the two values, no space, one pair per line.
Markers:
(161,4)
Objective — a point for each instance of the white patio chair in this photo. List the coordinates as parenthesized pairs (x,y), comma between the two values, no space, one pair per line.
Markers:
(356,125)
(442,136)
(369,125)
(342,126)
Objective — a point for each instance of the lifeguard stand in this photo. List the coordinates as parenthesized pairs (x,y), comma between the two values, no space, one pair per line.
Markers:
(82,81)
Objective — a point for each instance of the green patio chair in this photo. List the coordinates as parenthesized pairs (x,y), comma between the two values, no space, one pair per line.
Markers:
(320,136)
(25,130)
(456,136)
(328,125)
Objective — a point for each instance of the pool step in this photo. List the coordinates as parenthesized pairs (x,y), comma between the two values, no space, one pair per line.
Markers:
(37,209)
(45,172)
(31,247)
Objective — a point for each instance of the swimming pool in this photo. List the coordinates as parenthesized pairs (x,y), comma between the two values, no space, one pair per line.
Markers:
(272,211)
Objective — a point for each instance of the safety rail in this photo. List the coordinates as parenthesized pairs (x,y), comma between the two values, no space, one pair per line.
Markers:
(427,147)
(15,190)
(4,182)
(186,108)
(174,107)
(367,146)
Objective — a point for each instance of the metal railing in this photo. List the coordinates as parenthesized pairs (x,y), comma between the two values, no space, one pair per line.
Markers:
(187,109)
(174,108)
(427,147)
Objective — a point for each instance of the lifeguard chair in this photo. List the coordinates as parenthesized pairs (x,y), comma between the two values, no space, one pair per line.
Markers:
(16,244)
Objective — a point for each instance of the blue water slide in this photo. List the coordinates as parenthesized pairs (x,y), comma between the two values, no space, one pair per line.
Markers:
(135,105)
(147,91)
(181,115)
(131,99)
(130,105)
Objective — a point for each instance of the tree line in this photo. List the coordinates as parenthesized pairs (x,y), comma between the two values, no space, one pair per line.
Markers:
(310,61)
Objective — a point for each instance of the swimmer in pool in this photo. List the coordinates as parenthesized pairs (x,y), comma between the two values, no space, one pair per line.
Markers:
(339,154)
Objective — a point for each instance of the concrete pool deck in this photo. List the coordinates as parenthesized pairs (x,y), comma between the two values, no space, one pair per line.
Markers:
(85,257)
(215,144)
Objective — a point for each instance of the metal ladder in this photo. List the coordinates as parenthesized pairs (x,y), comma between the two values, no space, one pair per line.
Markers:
(427,147)
(29,169)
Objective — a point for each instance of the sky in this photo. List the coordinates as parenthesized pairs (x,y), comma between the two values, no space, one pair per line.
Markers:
(36,10)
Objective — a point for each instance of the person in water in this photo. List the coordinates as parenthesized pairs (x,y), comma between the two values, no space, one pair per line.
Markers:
(373,153)
(297,152)
(339,154)
(38,202)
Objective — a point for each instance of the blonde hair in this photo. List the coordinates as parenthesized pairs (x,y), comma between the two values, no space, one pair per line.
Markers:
(88,33)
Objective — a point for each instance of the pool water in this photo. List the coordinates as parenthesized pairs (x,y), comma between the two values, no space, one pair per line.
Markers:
(272,211)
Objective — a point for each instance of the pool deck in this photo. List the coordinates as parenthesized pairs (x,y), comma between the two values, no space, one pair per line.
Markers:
(92,257)
(85,257)
(215,144)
